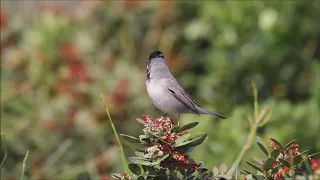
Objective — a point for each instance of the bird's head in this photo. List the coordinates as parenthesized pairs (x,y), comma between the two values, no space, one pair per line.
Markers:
(156,64)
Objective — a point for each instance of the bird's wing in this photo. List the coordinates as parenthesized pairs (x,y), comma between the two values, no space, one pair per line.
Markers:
(178,92)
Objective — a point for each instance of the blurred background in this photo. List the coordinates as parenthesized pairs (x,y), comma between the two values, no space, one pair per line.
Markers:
(58,56)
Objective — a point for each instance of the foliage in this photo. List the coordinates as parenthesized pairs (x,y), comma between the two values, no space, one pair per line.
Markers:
(55,60)
(164,152)
(282,162)
(164,156)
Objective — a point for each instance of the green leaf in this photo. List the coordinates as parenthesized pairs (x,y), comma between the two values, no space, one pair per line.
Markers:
(189,126)
(158,161)
(141,161)
(134,168)
(195,141)
(140,121)
(143,137)
(215,171)
(284,162)
(268,164)
(116,175)
(223,169)
(130,139)
(182,138)
(275,153)
(312,155)
(297,160)
(290,143)
(176,129)
(244,171)
(139,154)
(277,143)
(262,145)
(254,166)
(305,151)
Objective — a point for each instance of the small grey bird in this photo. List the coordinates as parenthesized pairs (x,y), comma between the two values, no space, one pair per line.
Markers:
(165,91)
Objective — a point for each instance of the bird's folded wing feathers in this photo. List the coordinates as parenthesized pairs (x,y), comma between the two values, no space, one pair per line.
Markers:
(184,97)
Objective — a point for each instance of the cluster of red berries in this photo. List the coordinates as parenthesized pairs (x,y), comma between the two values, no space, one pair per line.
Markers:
(163,126)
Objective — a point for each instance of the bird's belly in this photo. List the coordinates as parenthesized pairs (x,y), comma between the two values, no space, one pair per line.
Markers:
(163,100)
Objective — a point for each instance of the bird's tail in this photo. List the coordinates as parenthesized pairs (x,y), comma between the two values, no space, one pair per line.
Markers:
(202,110)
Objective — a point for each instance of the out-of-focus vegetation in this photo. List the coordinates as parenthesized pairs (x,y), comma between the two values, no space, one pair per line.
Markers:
(55,62)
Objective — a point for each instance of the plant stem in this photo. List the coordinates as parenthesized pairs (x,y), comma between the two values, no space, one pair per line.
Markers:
(24,165)
(123,157)
(253,131)
(5,150)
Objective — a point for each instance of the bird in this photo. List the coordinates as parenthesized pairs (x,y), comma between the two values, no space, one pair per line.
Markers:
(166,93)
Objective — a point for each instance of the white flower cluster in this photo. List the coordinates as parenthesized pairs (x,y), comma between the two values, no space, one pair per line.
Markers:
(159,127)
(153,152)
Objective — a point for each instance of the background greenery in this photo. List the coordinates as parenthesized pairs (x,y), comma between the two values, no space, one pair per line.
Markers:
(57,57)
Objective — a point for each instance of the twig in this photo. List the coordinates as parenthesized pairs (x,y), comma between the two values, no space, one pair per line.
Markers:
(5,150)
(254,124)
(24,165)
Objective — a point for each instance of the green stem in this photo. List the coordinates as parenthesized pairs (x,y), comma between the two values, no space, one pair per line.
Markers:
(24,165)
(123,157)
(253,131)
(5,150)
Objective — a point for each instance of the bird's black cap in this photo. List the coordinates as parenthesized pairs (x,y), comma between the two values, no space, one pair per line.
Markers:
(156,54)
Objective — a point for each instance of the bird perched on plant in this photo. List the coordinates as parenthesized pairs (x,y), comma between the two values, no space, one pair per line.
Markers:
(165,91)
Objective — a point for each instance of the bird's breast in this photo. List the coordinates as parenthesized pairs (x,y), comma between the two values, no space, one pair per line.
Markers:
(162,99)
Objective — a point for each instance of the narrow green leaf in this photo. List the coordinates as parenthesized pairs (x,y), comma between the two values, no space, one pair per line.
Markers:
(182,138)
(189,126)
(130,139)
(305,151)
(262,145)
(254,166)
(158,161)
(140,121)
(275,153)
(268,164)
(139,154)
(290,143)
(277,143)
(198,139)
(284,162)
(215,171)
(309,156)
(141,161)
(134,168)
(223,169)
(116,175)
(244,171)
